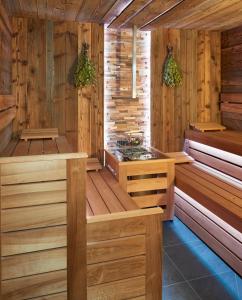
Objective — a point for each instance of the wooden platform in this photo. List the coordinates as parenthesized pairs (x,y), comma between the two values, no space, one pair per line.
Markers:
(37,147)
(207,127)
(228,140)
(39,133)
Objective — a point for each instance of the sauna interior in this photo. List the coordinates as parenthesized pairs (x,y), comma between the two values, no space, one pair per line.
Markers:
(120,149)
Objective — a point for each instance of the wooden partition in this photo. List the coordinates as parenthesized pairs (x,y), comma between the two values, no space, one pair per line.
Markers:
(43,227)
(197,53)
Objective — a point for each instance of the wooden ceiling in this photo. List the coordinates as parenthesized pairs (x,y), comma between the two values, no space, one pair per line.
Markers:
(146,14)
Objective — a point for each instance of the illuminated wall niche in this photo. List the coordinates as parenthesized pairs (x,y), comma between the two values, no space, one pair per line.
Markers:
(120,114)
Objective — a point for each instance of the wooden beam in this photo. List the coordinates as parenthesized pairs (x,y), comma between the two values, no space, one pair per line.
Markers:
(231,97)
(152,11)
(116,10)
(132,10)
(76,230)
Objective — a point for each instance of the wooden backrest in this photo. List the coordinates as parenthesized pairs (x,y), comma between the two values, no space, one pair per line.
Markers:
(231,108)
(227,163)
(43,238)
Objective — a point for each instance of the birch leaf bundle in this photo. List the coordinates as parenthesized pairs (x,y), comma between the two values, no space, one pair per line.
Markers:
(172,75)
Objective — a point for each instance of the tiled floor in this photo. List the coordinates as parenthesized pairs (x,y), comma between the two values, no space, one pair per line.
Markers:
(192,271)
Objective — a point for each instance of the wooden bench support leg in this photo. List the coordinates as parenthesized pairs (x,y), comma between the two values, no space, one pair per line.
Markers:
(153,258)
(170,210)
(76,230)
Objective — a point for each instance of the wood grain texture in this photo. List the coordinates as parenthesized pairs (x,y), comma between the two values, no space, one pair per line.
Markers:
(90,99)
(210,229)
(153,258)
(231,83)
(45,74)
(76,230)
(5,51)
(197,100)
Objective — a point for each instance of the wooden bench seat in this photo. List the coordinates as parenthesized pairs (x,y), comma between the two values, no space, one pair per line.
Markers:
(208,197)
(105,196)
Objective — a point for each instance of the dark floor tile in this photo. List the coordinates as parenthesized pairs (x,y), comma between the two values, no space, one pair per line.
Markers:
(179,291)
(170,273)
(196,260)
(239,285)
(175,232)
(220,287)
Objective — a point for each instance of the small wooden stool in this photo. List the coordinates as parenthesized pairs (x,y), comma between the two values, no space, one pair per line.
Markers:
(207,126)
(39,133)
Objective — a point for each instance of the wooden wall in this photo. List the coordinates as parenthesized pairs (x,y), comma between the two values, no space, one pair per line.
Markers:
(123,113)
(231,77)
(91,99)
(172,109)
(7,110)
(45,56)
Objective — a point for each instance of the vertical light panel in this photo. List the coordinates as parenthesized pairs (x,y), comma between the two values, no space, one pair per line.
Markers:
(121,112)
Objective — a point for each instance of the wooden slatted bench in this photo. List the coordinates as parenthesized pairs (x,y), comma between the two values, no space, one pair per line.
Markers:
(123,237)
(58,231)
(208,198)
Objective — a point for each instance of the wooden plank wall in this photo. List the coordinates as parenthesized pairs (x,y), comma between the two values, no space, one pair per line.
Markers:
(45,58)
(91,99)
(5,52)
(172,109)
(231,77)
(123,114)
(7,112)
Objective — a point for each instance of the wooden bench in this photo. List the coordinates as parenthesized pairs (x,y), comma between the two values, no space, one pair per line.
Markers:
(123,237)
(61,227)
(209,200)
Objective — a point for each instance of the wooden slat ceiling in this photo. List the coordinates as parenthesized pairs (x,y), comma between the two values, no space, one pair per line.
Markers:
(145,14)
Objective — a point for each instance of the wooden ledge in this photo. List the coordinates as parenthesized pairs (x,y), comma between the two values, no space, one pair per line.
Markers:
(125,215)
(44,157)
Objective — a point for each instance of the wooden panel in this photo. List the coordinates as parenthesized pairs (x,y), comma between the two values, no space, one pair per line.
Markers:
(150,200)
(116,270)
(122,289)
(231,74)
(33,263)
(90,100)
(114,229)
(198,55)
(5,52)
(35,285)
(115,249)
(146,184)
(200,14)
(33,172)
(76,229)
(223,140)
(153,258)
(208,237)
(33,217)
(141,168)
(33,240)
(33,194)
(218,164)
